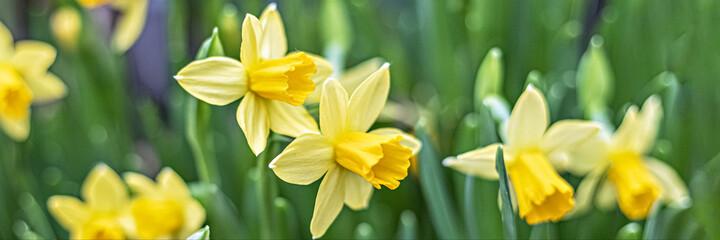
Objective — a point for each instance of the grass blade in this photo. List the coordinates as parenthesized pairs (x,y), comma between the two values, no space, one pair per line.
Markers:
(506,210)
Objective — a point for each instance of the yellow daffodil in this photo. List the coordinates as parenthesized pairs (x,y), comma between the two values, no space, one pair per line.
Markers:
(163,209)
(532,151)
(24,80)
(101,215)
(273,85)
(130,24)
(633,180)
(352,160)
(66,24)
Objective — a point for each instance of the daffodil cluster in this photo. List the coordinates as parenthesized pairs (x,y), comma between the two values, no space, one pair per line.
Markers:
(25,80)
(159,209)
(535,154)
(533,151)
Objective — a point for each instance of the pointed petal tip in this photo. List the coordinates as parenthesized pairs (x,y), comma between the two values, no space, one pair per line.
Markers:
(272,6)
(447,161)
(385,65)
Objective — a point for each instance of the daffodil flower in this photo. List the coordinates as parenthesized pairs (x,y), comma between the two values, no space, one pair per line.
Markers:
(24,80)
(635,181)
(273,86)
(101,215)
(163,209)
(352,160)
(130,24)
(532,151)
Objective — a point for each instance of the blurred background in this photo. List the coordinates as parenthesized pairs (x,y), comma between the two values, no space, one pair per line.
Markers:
(126,110)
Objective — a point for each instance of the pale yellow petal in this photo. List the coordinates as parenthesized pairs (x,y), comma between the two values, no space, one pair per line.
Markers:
(567,134)
(6,42)
(368,100)
(329,201)
(626,134)
(171,183)
(194,217)
(324,70)
(305,160)
(252,116)
(333,110)
(215,80)
(353,77)
(290,120)
(584,194)
(589,155)
(357,191)
(479,163)
(528,120)
(46,88)
(130,25)
(408,140)
(70,212)
(250,47)
(648,120)
(274,42)
(674,190)
(140,184)
(17,129)
(33,58)
(103,190)
(605,198)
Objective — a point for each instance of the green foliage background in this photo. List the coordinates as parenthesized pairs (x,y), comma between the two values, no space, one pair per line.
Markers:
(435,48)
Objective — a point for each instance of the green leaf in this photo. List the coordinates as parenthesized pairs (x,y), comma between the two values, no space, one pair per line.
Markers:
(544,230)
(653,224)
(631,231)
(705,192)
(489,79)
(433,184)
(594,78)
(506,208)
(202,234)
(221,213)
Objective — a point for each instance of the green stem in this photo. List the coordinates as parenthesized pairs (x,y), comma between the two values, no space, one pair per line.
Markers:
(264,197)
(198,117)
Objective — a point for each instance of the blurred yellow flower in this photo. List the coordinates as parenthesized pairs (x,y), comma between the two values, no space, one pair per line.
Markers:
(352,160)
(163,209)
(273,85)
(634,181)
(24,80)
(101,215)
(66,24)
(130,24)
(532,151)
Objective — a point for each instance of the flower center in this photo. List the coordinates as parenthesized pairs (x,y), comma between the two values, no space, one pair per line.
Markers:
(381,160)
(101,227)
(542,194)
(284,79)
(156,218)
(635,187)
(15,95)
